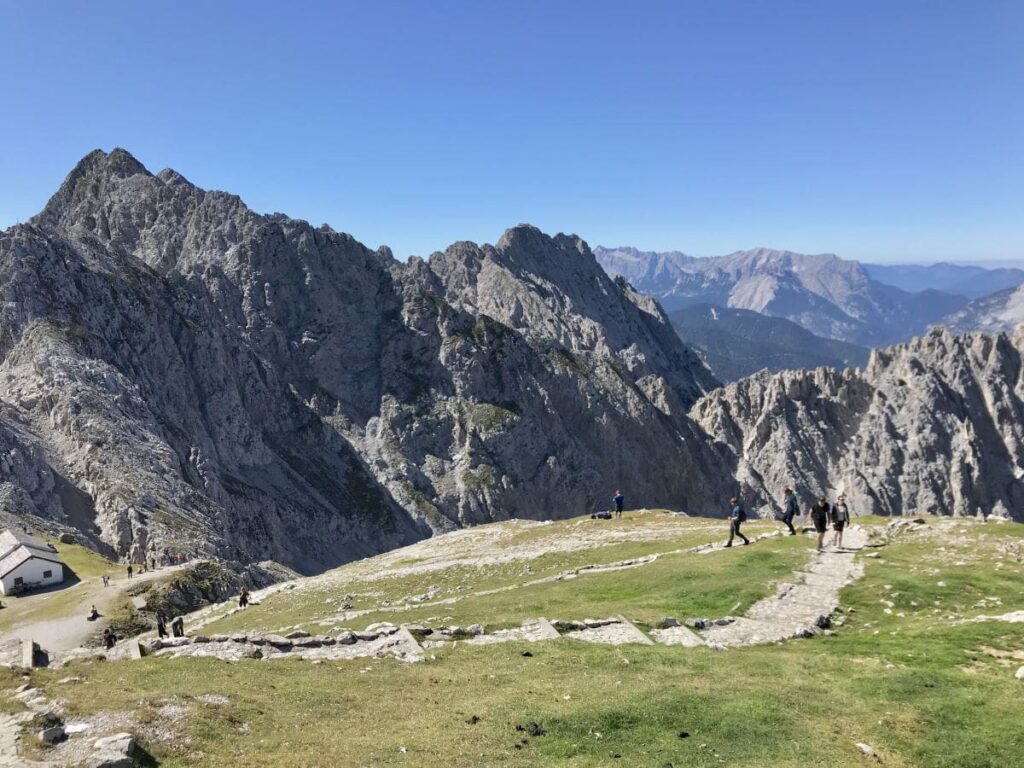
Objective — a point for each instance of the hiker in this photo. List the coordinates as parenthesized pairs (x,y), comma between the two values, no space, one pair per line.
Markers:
(161,625)
(152,563)
(619,500)
(819,515)
(129,570)
(106,580)
(790,509)
(178,626)
(93,613)
(243,598)
(737,516)
(840,517)
(109,638)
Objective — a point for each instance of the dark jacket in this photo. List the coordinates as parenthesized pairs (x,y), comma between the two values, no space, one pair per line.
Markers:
(821,511)
(792,506)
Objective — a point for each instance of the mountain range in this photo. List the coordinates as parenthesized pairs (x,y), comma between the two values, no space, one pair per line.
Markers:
(869,305)
(180,373)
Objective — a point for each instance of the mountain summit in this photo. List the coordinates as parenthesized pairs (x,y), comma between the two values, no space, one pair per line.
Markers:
(181,373)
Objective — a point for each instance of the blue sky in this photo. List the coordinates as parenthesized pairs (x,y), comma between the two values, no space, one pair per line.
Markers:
(885,131)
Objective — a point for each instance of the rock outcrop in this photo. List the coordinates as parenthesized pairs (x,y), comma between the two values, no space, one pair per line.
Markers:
(180,373)
(935,426)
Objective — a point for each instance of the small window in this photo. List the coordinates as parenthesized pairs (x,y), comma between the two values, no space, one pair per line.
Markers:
(47,574)
(18,581)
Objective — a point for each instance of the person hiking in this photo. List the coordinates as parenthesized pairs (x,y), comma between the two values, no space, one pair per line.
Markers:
(109,638)
(243,598)
(106,580)
(819,515)
(737,516)
(129,570)
(178,626)
(619,500)
(161,625)
(790,509)
(840,517)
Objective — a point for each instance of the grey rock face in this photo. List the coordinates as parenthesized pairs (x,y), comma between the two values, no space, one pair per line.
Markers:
(934,426)
(828,296)
(178,372)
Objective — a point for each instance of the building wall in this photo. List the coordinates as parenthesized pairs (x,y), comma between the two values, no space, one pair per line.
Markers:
(32,572)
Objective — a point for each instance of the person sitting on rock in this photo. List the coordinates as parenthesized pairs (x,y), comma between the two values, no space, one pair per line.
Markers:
(737,515)
(840,517)
(790,509)
(819,515)
(619,500)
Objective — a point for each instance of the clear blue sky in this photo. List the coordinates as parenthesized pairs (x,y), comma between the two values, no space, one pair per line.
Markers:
(880,130)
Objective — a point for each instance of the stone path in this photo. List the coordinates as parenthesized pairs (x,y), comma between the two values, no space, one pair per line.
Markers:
(799,609)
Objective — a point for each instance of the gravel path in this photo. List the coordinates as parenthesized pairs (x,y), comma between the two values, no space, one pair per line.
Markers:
(801,608)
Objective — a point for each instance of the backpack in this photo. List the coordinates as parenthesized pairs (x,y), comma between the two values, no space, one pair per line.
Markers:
(741,514)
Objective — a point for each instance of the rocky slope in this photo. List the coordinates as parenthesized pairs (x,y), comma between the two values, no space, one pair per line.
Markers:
(737,342)
(1002,311)
(827,295)
(934,426)
(179,372)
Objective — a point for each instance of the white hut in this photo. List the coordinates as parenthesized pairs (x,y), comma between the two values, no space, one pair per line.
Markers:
(27,563)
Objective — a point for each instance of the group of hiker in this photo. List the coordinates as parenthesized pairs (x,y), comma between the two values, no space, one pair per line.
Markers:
(821,514)
(177,625)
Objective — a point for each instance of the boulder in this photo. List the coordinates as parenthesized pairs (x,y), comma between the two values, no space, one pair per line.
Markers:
(475,629)
(52,735)
(667,623)
(1020,674)
(117,751)
(278,642)
(297,634)
(67,538)
(346,638)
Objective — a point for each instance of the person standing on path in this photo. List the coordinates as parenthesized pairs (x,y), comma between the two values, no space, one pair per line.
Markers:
(161,625)
(129,570)
(243,598)
(790,509)
(819,515)
(840,517)
(737,515)
(106,580)
(619,500)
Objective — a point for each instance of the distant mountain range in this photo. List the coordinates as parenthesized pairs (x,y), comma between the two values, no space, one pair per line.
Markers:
(967,280)
(1001,311)
(824,294)
(738,342)
(865,304)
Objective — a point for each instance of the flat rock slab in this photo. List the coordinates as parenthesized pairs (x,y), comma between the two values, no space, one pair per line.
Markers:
(798,609)
(680,635)
(532,631)
(619,633)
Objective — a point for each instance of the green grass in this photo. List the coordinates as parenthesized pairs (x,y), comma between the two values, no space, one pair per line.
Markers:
(83,562)
(922,688)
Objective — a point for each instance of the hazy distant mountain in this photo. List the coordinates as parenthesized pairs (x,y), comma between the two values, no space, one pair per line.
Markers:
(828,296)
(1002,311)
(738,342)
(971,280)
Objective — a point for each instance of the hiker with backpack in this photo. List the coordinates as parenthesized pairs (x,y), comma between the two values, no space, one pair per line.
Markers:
(619,500)
(737,516)
(790,509)
(840,517)
(819,515)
